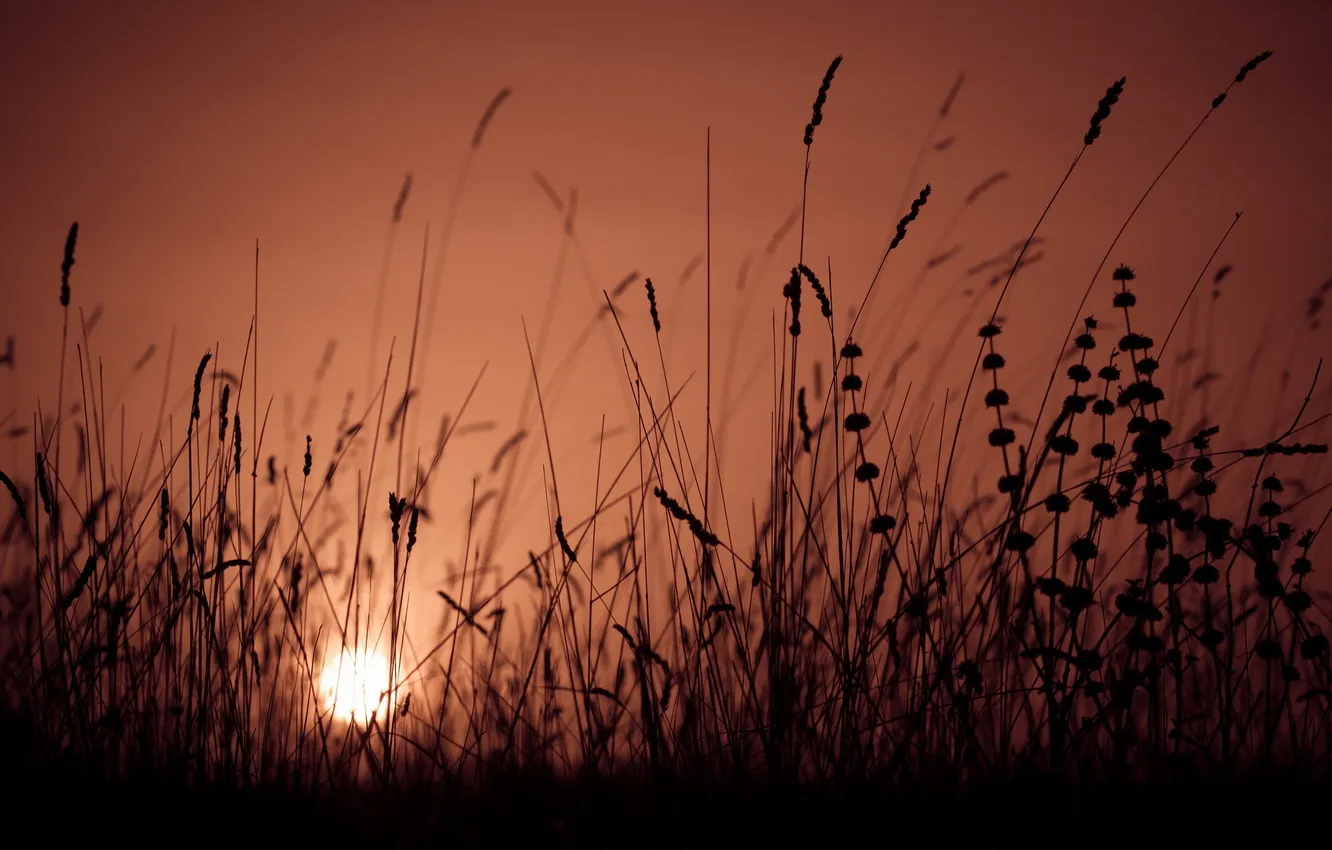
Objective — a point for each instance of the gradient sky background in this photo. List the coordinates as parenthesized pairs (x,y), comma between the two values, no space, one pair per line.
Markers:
(178,133)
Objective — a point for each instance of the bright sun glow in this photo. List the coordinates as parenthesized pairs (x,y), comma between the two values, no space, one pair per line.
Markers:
(355,685)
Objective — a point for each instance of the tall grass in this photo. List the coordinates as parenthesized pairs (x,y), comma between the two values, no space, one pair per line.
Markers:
(1131,599)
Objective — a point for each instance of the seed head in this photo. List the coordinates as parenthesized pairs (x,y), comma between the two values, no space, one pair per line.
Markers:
(71,240)
(652,305)
(401,202)
(236,435)
(984,186)
(489,115)
(1103,110)
(1243,72)
(948,102)
(805,433)
(564,540)
(163,516)
(198,388)
(411,529)
(1251,64)
(222,413)
(792,292)
(825,306)
(910,217)
(395,511)
(820,100)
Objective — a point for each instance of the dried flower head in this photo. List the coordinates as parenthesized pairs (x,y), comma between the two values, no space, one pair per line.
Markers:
(401,202)
(820,100)
(71,241)
(825,306)
(488,116)
(791,290)
(1243,72)
(652,305)
(236,438)
(910,217)
(1103,110)
(198,388)
(222,412)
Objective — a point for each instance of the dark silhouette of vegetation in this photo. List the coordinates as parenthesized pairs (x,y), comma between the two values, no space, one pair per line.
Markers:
(1124,622)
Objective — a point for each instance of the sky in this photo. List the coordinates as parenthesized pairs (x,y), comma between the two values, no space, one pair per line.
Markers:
(179,134)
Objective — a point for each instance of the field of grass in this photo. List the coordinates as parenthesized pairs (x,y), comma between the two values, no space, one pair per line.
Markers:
(1124,618)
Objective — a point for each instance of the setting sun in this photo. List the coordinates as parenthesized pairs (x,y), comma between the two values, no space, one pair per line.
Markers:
(355,685)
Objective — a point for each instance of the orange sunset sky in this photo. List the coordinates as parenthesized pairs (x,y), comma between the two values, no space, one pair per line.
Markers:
(177,134)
